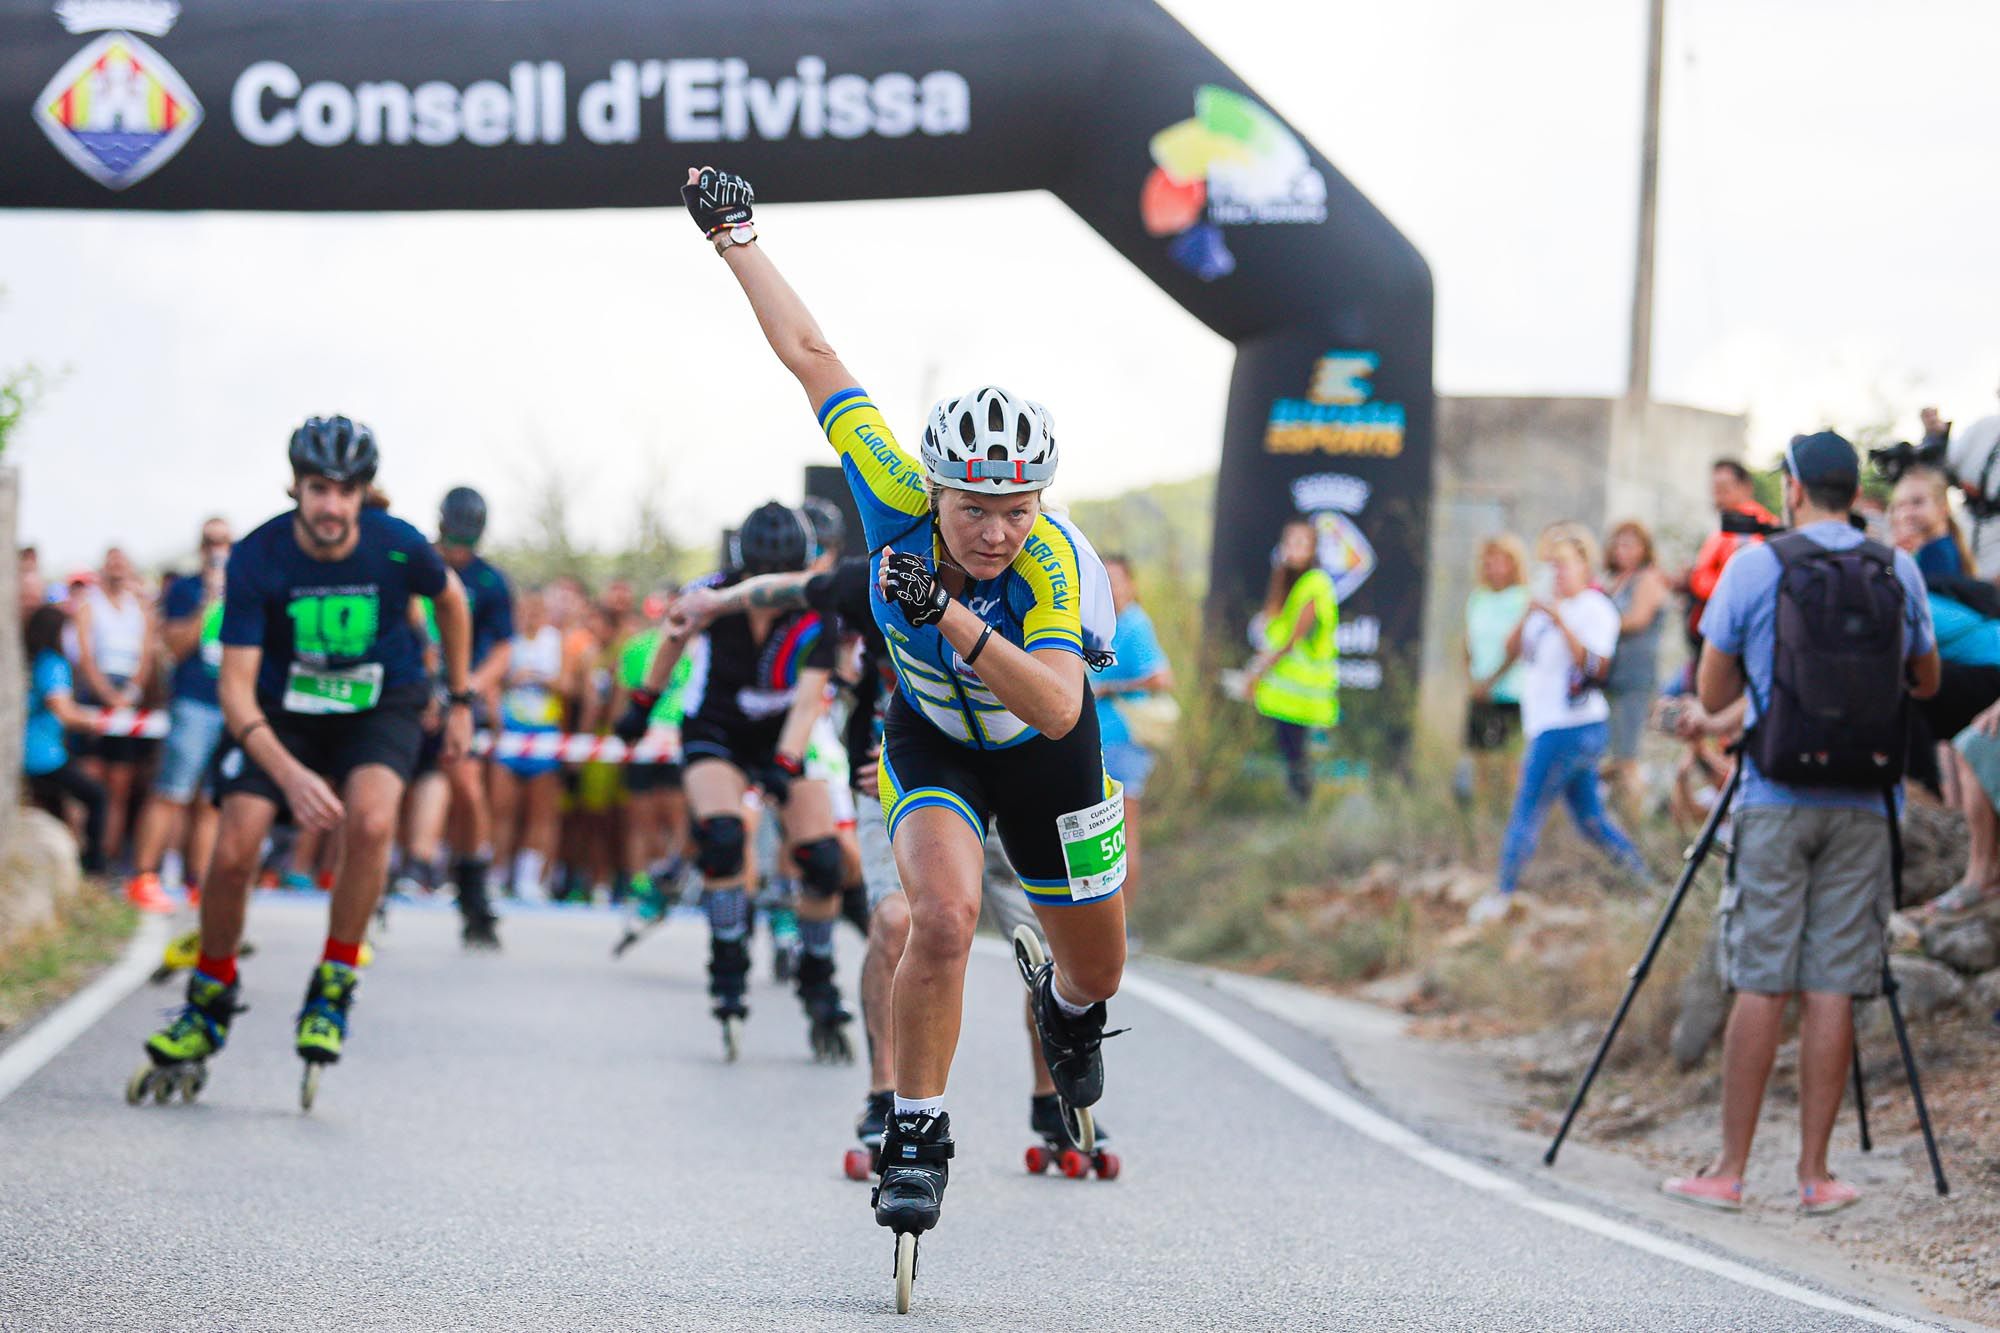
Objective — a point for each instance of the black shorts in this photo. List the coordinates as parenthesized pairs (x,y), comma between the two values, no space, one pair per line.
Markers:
(1491,725)
(1023,790)
(643,778)
(333,745)
(111,749)
(748,745)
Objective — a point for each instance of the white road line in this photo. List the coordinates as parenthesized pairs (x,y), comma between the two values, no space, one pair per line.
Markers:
(73,1017)
(1314,1090)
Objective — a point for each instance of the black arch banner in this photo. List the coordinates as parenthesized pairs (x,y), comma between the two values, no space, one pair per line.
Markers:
(318,105)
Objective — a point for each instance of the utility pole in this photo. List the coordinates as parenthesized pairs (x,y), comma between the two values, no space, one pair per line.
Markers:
(1639,379)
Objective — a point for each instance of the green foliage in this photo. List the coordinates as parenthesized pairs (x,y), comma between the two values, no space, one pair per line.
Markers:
(655,559)
(1162,529)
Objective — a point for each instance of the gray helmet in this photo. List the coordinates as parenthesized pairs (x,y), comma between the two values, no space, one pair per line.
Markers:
(335,448)
(773,540)
(462,516)
(829,526)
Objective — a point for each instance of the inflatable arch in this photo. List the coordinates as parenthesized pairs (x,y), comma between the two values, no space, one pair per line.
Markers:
(1111,105)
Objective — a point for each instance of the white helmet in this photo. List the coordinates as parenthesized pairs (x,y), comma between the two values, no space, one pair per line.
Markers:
(989,440)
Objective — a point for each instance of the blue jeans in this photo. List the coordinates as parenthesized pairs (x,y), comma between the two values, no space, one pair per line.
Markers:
(1563,762)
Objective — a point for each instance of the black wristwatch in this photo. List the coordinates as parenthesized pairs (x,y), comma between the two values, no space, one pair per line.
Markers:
(459,698)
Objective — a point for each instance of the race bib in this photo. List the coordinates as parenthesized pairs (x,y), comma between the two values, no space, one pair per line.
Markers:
(1093,844)
(353,690)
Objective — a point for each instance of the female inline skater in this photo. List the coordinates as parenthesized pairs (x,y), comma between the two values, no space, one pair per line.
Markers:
(991,607)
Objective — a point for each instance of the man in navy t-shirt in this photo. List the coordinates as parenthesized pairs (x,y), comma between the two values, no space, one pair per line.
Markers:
(191,623)
(322,687)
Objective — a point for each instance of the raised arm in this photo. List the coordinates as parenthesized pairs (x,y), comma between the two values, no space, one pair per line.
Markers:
(720,205)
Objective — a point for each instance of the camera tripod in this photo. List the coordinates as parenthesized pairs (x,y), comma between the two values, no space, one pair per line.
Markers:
(1691,863)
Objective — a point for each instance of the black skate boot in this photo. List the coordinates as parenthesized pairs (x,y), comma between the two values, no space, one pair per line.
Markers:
(728,974)
(863,1162)
(915,1153)
(1069,1044)
(828,1016)
(478,932)
(1058,1146)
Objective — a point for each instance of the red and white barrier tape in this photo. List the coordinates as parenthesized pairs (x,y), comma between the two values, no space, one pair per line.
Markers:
(565,747)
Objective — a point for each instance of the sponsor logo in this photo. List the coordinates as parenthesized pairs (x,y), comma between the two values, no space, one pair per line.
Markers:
(1339,414)
(118,111)
(1332,502)
(701,100)
(1231,164)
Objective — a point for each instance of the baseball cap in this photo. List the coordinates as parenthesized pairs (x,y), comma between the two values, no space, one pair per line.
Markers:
(1823,458)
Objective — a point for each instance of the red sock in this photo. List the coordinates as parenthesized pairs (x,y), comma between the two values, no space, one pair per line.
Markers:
(222,969)
(337,952)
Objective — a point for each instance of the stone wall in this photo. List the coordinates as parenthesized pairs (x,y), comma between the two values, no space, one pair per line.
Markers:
(1520,464)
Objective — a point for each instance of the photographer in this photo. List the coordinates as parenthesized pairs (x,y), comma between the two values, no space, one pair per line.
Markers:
(1809,887)
(1973,459)
(1735,498)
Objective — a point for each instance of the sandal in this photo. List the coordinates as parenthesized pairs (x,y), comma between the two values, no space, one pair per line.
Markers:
(1827,1196)
(1723,1192)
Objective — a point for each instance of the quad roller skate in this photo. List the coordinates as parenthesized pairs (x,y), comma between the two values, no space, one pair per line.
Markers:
(1058,1150)
(183,952)
(829,1017)
(323,1024)
(915,1153)
(728,970)
(1069,1045)
(863,1162)
(177,1055)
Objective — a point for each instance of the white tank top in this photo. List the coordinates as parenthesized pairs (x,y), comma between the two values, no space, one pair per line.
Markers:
(532,671)
(117,633)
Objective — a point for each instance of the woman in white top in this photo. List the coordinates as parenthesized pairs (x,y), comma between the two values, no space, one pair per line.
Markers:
(114,662)
(527,788)
(1565,643)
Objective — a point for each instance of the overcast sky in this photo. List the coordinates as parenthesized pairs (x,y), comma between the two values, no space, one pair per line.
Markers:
(1829,205)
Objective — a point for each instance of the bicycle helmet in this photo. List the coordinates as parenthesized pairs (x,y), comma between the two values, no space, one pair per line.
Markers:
(989,440)
(829,528)
(773,540)
(462,516)
(335,448)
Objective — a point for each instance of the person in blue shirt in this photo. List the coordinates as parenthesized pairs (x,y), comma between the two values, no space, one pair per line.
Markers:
(322,687)
(1140,674)
(53,774)
(1808,895)
(191,624)
(461,526)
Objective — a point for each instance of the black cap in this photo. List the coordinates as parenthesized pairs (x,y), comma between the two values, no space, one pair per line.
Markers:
(1823,459)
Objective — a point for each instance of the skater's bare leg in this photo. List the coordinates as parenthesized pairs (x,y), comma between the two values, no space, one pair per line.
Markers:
(715,791)
(940,860)
(225,889)
(1087,941)
(373,796)
(808,818)
(888,936)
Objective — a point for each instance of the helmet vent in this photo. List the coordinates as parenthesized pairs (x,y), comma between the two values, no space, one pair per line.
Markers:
(1021,431)
(996,416)
(966,430)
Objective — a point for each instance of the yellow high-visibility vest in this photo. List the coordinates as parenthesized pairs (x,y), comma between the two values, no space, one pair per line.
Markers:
(1303,686)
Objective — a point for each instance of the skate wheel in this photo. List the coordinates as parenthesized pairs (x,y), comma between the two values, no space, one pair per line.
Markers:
(1074,1164)
(1082,1129)
(906,1269)
(732,1039)
(1107,1166)
(137,1086)
(857,1164)
(309,1086)
(163,1088)
(1037,1160)
(191,1081)
(1028,953)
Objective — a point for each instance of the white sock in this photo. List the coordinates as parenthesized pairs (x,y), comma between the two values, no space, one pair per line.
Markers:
(172,872)
(918,1105)
(1063,1002)
(528,876)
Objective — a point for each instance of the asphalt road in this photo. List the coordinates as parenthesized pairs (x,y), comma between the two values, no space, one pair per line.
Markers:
(545,1139)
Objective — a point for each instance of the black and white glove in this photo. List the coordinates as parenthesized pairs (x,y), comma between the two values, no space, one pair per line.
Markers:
(632,725)
(909,582)
(717,200)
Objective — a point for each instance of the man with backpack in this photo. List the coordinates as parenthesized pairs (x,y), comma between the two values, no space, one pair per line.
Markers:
(1828,633)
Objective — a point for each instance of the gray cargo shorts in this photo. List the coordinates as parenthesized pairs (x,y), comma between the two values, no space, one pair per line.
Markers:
(1807,902)
(1003,904)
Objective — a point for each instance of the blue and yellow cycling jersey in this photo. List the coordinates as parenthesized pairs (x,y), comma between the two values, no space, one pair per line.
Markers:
(1055,594)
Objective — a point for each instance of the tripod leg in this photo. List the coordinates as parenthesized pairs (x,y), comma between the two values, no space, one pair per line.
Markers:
(1691,866)
(1916,1085)
(1861,1102)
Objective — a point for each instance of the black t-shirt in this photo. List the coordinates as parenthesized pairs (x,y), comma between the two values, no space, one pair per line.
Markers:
(843,593)
(737,680)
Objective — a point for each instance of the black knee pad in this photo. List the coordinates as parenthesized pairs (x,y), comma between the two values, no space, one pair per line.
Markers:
(719,846)
(822,869)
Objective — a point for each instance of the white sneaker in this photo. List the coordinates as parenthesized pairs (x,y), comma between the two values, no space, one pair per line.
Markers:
(1493,907)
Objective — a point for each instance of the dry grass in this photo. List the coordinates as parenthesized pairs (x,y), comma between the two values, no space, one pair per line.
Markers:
(50,966)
